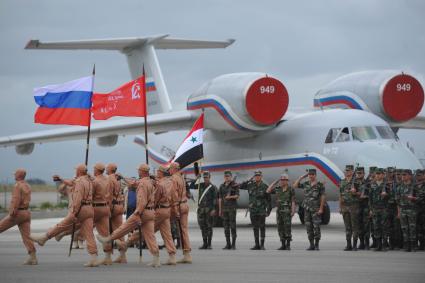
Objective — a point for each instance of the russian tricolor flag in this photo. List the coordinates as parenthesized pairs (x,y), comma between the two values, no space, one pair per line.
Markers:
(68,103)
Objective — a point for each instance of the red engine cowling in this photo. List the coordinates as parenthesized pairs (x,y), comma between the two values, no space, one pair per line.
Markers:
(392,95)
(241,101)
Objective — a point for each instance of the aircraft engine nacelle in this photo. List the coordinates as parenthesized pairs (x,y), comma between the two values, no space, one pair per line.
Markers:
(107,141)
(24,149)
(392,95)
(241,102)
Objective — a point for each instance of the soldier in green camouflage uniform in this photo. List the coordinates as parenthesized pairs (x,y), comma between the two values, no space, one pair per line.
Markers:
(391,237)
(399,233)
(313,203)
(285,209)
(228,195)
(349,196)
(365,222)
(207,201)
(407,210)
(259,207)
(378,204)
(420,208)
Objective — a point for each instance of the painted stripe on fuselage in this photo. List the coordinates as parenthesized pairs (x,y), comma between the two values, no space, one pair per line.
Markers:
(335,100)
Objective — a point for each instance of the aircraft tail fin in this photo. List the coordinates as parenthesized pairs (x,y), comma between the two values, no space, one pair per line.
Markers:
(139,51)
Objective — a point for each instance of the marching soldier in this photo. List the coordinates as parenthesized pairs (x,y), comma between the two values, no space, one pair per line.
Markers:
(144,215)
(20,215)
(407,210)
(285,203)
(314,203)
(163,199)
(81,213)
(349,207)
(207,202)
(378,204)
(259,207)
(420,207)
(228,195)
(116,206)
(181,214)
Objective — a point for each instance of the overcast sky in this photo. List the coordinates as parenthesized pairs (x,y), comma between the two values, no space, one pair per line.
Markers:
(306,44)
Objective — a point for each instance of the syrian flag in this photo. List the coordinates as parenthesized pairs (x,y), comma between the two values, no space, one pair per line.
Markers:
(191,149)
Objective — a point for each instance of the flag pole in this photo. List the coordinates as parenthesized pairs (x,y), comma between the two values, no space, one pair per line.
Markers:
(145,116)
(89,118)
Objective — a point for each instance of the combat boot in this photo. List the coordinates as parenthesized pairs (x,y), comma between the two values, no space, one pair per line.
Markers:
(283,247)
(385,244)
(262,244)
(311,248)
(59,236)
(209,239)
(103,240)
(288,245)
(31,260)
(355,244)
(366,244)
(92,262)
(378,244)
(187,258)
(39,239)
(155,262)
(228,246)
(234,243)
(316,244)
(107,260)
(171,260)
(257,244)
(122,258)
(204,246)
(362,244)
(348,247)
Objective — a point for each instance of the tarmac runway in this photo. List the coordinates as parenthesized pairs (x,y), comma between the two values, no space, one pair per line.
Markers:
(330,264)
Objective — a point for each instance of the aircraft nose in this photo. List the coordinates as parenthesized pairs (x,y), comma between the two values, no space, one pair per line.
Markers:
(389,154)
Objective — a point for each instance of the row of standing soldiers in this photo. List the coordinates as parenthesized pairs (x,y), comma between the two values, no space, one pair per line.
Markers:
(388,205)
(225,200)
(97,202)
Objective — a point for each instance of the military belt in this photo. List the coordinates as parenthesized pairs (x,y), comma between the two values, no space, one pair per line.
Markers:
(22,208)
(183,201)
(118,202)
(86,203)
(162,206)
(99,204)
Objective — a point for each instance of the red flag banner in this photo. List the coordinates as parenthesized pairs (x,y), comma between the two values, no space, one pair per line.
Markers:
(128,100)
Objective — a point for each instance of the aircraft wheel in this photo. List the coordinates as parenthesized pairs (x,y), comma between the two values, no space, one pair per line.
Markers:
(301,213)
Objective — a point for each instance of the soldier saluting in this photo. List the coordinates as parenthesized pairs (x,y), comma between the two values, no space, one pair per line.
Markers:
(228,195)
(259,205)
(285,203)
(313,203)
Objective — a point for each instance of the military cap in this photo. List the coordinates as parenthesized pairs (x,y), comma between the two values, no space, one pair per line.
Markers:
(349,167)
(99,166)
(312,171)
(399,171)
(390,169)
(284,176)
(144,167)
(162,169)
(227,173)
(258,173)
(407,171)
(174,165)
(419,172)
(360,169)
(206,174)
(379,170)
(112,166)
(372,169)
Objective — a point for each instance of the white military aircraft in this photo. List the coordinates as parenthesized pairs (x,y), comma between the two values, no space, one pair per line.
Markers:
(248,124)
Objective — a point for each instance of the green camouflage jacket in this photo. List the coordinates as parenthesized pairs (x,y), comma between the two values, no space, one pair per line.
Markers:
(259,199)
(210,198)
(312,195)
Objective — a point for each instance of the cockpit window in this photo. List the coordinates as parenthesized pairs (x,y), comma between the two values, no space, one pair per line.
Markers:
(385,132)
(344,135)
(363,133)
(333,133)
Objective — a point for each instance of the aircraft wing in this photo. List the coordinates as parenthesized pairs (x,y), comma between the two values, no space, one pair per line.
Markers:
(416,123)
(163,122)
